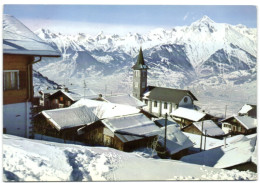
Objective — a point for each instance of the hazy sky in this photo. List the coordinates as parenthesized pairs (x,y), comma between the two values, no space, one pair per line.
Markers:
(120,19)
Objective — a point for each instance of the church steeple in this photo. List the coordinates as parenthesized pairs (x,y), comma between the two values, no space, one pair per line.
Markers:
(139,76)
(140,61)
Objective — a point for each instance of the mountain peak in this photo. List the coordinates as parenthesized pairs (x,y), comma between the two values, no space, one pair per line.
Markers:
(205,19)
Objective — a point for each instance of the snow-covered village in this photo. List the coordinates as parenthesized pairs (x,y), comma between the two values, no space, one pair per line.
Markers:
(89,97)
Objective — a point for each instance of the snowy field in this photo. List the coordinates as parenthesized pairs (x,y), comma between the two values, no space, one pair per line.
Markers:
(35,160)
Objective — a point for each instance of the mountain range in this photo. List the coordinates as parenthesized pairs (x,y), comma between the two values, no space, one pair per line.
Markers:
(201,56)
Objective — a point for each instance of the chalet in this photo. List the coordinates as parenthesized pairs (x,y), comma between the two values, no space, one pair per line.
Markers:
(205,128)
(61,99)
(125,99)
(125,133)
(21,49)
(239,125)
(177,144)
(63,123)
(248,110)
(159,100)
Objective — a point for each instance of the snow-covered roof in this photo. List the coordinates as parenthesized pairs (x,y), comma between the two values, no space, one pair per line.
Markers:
(176,140)
(137,125)
(70,117)
(125,99)
(234,154)
(247,122)
(245,109)
(106,109)
(210,126)
(189,114)
(18,39)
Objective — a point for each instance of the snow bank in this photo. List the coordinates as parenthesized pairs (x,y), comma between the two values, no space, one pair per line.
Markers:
(34,160)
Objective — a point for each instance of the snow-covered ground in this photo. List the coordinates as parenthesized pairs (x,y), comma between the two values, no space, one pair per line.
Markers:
(35,160)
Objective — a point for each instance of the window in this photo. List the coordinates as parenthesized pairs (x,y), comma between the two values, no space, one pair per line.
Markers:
(143,84)
(165,105)
(11,80)
(144,72)
(155,104)
(136,84)
(146,101)
(61,99)
(185,99)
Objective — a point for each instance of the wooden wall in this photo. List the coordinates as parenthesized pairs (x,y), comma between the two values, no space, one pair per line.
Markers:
(18,62)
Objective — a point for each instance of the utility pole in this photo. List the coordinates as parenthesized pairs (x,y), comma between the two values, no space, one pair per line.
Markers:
(201,135)
(205,140)
(226,111)
(165,135)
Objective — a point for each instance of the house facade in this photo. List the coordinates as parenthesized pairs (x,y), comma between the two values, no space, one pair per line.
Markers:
(239,125)
(21,49)
(159,100)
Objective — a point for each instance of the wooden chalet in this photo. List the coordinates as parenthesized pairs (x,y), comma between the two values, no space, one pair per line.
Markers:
(239,125)
(21,49)
(248,110)
(208,128)
(63,123)
(61,99)
(124,133)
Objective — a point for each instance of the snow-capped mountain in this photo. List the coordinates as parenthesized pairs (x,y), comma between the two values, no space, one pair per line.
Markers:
(204,52)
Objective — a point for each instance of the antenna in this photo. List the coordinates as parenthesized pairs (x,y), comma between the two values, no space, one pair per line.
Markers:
(84,86)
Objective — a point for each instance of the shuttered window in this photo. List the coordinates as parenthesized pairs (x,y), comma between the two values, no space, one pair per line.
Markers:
(11,80)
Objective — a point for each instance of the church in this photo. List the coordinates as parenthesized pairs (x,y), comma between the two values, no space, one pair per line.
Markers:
(159,100)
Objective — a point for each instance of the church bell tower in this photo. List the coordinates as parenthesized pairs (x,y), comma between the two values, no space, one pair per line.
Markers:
(139,76)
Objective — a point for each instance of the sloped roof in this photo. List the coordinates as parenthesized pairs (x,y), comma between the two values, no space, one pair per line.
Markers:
(246,108)
(176,140)
(140,62)
(125,99)
(189,114)
(247,122)
(69,95)
(106,109)
(70,117)
(210,126)
(167,94)
(18,39)
(131,127)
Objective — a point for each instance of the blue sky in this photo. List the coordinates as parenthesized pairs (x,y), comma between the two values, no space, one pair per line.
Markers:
(116,19)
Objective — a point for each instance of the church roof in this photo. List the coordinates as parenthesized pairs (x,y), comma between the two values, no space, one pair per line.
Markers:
(140,62)
(167,94)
